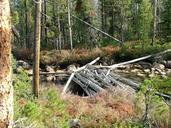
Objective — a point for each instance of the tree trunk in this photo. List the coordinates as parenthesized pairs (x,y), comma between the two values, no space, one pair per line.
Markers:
(6,88)
(27,25)
(37,33)
(69,23)
(154,21)
(59,29)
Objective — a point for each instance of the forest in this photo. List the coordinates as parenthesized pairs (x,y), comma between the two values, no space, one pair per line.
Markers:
(85,63)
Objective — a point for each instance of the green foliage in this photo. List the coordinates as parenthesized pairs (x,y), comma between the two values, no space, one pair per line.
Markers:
(145,19)
(132,51)
(22,85)
(108,42)
(45,112)
(155,109)
(13,62)
(31,110)
(166,21)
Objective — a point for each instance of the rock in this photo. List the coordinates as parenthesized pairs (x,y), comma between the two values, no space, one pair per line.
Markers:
(135,70)
(159,66)
(50,69)
(156,72)
(19,69)
(163,73)
(147,71)
(74,123)
(50,78)
(168,64)
(24,64)
(138,66)
(152,75)
(71,68)
(168,72)
(141,74)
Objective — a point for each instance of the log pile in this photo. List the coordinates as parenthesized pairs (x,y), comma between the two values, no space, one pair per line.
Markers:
(93,79)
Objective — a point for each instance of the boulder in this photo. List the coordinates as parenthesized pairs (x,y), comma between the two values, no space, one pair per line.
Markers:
(151,75)
(168,64)
(71,68)
(168,72)
(50,69)
(50,78)
(138,66)
(147,71)
(141,74)
(74,123)
(19,69)
(24,64)
(135,70)
(159,66)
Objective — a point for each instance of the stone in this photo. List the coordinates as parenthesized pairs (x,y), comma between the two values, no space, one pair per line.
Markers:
(71,68)
(19,69)
(163,73)
(50,69)
(138,66)
(141,74)
(24,64)
(50,78)
(135,70)
(147,71)
(152,75)
(168,72)
(159,66)
(74,123)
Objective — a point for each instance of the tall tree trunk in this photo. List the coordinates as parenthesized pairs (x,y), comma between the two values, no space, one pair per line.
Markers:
(154,21)
(59,29)
(45,28)
(27,25)
(69,23)
(6,88)
(37,33)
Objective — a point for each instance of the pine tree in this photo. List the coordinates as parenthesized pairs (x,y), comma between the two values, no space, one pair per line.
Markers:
(144,19)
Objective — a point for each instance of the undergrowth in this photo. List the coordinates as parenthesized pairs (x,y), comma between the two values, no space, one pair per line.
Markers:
(113,109)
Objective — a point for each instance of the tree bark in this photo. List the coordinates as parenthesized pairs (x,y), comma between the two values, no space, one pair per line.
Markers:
(37,33)
(6,88)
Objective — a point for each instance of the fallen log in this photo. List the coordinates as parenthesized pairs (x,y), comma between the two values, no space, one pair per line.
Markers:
(83,86)
(53,73)
(111,67)
(89,83)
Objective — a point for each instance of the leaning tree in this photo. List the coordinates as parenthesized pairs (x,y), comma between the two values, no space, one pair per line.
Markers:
(6,89)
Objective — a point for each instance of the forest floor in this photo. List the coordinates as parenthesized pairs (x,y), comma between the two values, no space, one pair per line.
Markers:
(115,108)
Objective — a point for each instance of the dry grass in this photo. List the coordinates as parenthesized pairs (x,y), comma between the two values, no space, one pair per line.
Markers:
(66,56)
(103,109)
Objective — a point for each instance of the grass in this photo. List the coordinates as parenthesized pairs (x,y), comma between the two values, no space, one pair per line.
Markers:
(116,108)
